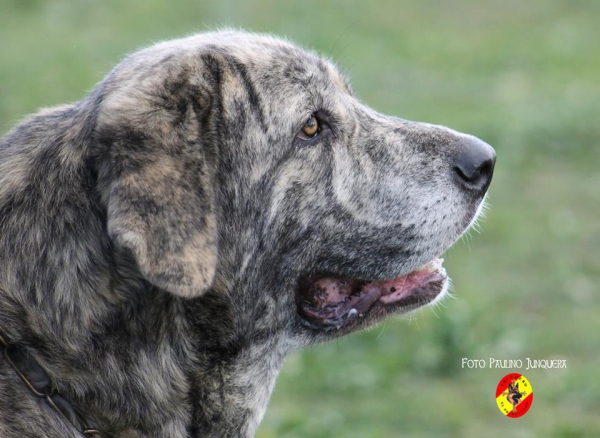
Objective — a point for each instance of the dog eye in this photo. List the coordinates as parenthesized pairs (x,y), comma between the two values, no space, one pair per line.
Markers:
(310,129)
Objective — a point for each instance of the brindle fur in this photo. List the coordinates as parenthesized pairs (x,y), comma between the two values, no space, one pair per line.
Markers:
(152,234)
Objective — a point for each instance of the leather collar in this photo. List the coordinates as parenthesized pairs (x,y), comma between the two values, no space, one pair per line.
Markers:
(31,373)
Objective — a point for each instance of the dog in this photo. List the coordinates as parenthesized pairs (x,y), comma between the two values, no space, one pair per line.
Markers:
(215,203)
(513,395)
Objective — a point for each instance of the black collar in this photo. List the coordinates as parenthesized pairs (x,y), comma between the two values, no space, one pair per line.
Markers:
(37,380)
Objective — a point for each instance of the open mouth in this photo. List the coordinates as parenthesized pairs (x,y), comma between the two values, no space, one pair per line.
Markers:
(333,302)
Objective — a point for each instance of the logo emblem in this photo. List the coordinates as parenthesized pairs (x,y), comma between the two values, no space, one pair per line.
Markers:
(514,395)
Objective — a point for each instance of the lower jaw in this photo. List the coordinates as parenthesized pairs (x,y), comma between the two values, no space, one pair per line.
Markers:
(375,300)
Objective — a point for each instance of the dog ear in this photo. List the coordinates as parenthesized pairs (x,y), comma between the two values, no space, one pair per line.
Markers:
(158,175)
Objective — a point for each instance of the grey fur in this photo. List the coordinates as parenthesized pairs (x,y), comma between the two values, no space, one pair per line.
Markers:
(152,234)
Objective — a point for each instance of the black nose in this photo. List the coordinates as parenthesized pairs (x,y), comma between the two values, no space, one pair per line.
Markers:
(474,165)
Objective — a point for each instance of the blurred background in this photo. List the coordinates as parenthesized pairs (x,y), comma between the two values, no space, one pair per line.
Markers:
(523,76)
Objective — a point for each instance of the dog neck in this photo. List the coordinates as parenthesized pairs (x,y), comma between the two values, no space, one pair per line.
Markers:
(237,357)
(223,391)
(230,399)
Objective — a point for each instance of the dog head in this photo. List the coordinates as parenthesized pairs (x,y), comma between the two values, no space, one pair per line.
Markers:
(243,168)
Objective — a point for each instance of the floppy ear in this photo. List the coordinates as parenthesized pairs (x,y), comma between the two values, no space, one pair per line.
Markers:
(159,182)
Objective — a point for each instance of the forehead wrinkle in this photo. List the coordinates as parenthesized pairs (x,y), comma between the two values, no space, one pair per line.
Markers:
(316,99)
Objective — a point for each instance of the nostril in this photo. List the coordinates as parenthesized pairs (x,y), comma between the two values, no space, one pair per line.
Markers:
(470,175)
(487,168)
(475,165)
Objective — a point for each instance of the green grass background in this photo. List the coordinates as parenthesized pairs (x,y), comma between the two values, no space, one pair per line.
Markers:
(524,76)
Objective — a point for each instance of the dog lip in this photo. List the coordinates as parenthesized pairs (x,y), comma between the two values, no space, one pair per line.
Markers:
(403,287)
(333,302)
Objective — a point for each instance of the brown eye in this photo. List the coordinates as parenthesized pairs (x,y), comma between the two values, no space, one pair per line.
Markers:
(310,129)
